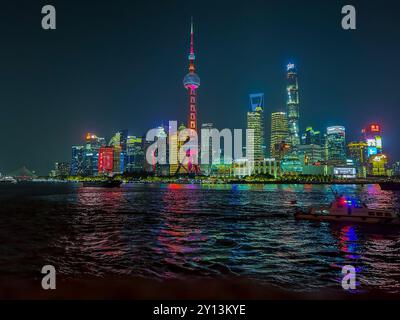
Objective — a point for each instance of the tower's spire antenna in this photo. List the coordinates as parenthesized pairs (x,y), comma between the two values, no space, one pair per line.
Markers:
(191,37)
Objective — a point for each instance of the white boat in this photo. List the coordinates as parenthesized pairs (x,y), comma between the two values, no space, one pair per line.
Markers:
(7,179)
(348,210)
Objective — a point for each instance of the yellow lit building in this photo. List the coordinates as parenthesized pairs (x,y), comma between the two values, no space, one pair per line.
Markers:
(279,133)
(255,121)
(358,152)
(174,146)
(378,165)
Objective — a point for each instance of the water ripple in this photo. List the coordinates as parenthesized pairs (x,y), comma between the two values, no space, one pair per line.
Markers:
(183,231)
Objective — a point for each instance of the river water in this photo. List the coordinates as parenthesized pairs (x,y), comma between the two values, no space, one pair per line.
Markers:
(177,231)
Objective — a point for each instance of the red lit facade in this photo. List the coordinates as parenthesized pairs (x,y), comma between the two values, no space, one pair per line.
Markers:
(106,160)
(372,130)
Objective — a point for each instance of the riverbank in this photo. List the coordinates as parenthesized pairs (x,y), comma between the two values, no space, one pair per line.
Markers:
(361,183)
(249,180)
(135,288)
(203,182)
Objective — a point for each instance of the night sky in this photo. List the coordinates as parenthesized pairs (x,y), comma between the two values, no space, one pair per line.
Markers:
(117,64)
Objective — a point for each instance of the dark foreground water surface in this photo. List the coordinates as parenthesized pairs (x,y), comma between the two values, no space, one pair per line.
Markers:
(191,231)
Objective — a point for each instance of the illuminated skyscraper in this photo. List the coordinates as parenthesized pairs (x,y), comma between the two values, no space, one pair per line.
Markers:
(119,142)
(62,169)
(357,151)
(135,154)
(192,82)
(378,165)
(173,151)
(207,167)
(279,133)
(115,143)
(91,154)
(311,137)
(162,167)
(311,150)
(310,153)
(255,121)
(106,160)
(77,164)
(117,159)
(123,134)
(372,135)
(396,169)
(293,111)
(336,145)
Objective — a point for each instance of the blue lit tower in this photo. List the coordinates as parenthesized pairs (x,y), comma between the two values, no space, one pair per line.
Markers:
(293,113)
(77,164)
(123,137)
(192,82)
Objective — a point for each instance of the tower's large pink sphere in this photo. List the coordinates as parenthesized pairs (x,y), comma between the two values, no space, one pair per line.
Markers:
(191,81)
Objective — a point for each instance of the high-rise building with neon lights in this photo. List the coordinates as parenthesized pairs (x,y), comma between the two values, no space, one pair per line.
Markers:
(293,111)
(91,154)
(106,160)
(335,145)
(372,135)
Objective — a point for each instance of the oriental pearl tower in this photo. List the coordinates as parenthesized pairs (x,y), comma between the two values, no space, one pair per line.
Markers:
(191,82)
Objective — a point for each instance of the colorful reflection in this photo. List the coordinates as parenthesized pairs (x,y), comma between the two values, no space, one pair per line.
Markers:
(180,231)
(102,206)
(177,238)
(111,199)
(348,242)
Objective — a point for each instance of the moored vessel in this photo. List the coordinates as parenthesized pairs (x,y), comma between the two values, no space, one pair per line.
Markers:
(110,183)
(348,210)
(390,185)
(8,180)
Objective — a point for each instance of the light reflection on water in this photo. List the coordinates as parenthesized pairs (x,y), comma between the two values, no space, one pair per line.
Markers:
(181,231)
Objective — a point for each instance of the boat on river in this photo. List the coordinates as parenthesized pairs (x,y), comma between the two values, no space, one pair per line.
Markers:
(109,183)
(7,180)
(390,185)
(348,210)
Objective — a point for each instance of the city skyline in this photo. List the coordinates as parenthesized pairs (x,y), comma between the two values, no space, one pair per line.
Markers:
(104,108)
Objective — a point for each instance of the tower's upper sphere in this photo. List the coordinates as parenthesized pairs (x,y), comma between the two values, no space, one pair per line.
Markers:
(191,80)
